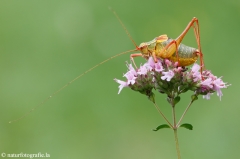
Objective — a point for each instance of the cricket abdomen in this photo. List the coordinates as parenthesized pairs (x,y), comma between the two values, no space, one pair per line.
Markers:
(186,55)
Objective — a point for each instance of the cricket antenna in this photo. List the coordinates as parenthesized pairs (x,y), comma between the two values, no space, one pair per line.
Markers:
(66,85)
(110,8)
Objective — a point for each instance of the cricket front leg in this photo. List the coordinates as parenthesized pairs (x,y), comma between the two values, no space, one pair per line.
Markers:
(132,56)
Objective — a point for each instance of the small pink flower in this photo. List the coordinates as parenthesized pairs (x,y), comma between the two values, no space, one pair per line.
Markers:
(130,77)
(158,67)
(167,75)
(142,70)
(131,69)
(207,82)
(176,64)
(148,67)
(122,84)
(195,72)
(168,63)
(195,68)
(151,62)
(178,69)
(217,85)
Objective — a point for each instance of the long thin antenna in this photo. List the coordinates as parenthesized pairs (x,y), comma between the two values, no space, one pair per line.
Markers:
(124,27)
(66,85)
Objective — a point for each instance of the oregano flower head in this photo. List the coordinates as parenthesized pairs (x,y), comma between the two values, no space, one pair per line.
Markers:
(167,78)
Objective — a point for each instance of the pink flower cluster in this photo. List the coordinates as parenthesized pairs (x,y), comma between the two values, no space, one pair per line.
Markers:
(210,83)
(166,77)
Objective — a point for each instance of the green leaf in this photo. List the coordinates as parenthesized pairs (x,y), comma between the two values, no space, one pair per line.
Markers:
(187,126)
(161,127)
(176,100)
(194,97)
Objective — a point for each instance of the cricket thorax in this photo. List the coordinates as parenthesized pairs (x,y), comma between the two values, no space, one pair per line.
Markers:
(147,48)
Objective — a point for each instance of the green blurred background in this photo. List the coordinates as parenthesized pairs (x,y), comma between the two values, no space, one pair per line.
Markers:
(45,44)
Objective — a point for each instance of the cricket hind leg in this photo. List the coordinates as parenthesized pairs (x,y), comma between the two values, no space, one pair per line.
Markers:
(193,23)
(169,50)
(199,51)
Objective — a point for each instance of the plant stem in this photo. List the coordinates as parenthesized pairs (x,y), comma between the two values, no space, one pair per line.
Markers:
(174,116)
(177,144)
(184,113)
(163,115)
(175,129)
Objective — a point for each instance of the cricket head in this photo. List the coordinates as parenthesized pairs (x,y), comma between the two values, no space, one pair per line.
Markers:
(143,48)
(147,48)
